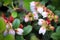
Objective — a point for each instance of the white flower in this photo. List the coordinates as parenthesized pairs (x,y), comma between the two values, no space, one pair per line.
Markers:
(40,21)
(32,6)
(32,3)
(19,31)
(42,30)
(44,14)
(11,31)
(8,25)
(40,9)
(26,19)
(5,32)
(35,15)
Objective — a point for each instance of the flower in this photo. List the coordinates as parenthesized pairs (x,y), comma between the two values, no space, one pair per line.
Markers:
(44,14)
(32,6)
(11,19)
(48,21)
(32,3)
(5,33)
(52,28)
(56,18)
(42,30)
(26,19)
(11,31)
(40,9)
(35,15)
(40,22)
(19,31)
(8,25)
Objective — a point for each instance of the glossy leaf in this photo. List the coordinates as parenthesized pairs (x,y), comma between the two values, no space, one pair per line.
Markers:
(18,37)
(16,23)
(57,12)
(52,8)
(14,14)
(58,29)
(27,29)
(55,36)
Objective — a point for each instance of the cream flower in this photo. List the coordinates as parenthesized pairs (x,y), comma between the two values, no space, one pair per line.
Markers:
(35,15)
(44,14)
(40,22)
(32,6)
(40,9)
(19,31)
(42,30)
(26,19)
(11,31)
(8,25)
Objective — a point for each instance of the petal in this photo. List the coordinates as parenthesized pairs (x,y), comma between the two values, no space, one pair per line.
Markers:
(40,9)
(11,31)
(19,31)
(42,30)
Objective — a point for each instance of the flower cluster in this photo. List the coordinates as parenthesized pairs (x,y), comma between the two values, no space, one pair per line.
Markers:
(9,26)
(38,8)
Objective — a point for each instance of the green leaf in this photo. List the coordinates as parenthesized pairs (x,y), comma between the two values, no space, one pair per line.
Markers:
(16,23)
(57,12)
(27,29)
(14,14)
(9,37)
(2,25)
(19,37)
(58,29)
(52,8)
(55,36)
(56,3)
(33,37)
(47,35)
(43,2)
(7,2)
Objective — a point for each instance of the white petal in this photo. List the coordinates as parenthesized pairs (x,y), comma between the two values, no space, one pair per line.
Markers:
(40,21)
(26,19)
(11,31)
(44,14)
(40,9)
(35,16)
(8,25)
(19,31)
(32,3)
(32,6)
(33,9)
(42,30)
(5,32)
